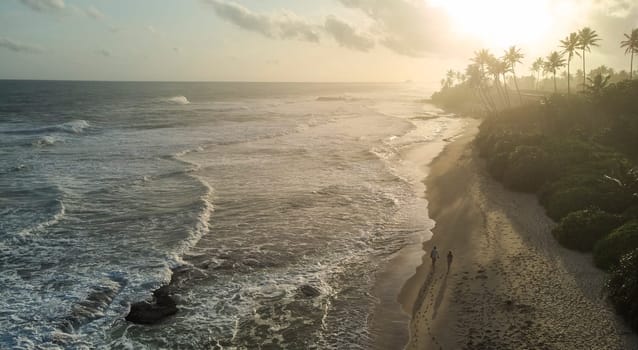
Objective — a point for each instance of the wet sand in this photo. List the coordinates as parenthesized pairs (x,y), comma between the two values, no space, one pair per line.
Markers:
(511,286)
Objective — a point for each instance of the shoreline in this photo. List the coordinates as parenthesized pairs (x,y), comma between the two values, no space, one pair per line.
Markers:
(511,285)
(389,322)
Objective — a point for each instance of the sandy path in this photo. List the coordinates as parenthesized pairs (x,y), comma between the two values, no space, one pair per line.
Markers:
(511,286)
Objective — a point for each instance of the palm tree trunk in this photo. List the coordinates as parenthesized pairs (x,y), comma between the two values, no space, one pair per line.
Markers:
(497,83)
(507,96)
(489,98)
(631,67)
(584,74)
(569,61)
(484,100)
(520,99)
(555,82)
(538,79)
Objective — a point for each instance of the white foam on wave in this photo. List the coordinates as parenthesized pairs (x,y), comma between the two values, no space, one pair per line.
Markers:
(72,127)
(180,100)
(202,226)
(347,98)
(43,225)
(75,126)
(46,141)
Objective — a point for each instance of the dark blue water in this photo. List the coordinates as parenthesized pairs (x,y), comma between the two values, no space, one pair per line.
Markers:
(247,190)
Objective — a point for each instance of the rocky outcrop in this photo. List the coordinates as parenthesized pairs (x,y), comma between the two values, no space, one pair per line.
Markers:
(145,312)
(309,291)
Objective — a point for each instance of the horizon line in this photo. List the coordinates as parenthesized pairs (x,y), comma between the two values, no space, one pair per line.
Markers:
(217,81)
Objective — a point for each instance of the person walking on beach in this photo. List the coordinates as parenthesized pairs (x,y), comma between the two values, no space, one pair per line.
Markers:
(450,257)
(434,255)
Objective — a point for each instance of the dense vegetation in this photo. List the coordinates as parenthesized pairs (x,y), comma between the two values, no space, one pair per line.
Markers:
(578,154)
(576,151)
(623,287)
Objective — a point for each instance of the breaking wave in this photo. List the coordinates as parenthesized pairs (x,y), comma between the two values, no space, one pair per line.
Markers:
(72,127)
(179,100)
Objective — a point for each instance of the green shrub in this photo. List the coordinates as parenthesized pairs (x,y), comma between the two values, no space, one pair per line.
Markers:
(623,288)
(580,192)
(526,169)
(607,251)
(567,181)
(580,230)
(568,200)
(567,151)
(631,213)
(496,165)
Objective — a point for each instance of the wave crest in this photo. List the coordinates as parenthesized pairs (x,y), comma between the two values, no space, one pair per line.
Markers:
(46,141)
(180,100)
(72,127)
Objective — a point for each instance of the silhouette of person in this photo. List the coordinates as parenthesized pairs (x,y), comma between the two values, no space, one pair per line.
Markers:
(450,257)
(434,255)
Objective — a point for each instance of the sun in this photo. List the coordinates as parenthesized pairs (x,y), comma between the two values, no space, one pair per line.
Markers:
(502,23)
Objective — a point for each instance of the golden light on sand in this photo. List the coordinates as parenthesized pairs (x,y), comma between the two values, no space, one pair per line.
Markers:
(501,23)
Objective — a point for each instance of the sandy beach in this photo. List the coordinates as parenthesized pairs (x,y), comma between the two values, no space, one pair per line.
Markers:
(510,286)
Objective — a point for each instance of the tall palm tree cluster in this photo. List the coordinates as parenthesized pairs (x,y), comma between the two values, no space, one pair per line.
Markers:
(488,73)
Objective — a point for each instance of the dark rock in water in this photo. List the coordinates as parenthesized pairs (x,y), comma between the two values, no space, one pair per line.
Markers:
(309,291)
(145,312)
(92,307)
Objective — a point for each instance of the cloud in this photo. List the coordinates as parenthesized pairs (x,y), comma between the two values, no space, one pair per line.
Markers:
(151,29)
(17,46)
(104,52)
(44,5)
(611,27)
(616,8)
(407,27)
(347,36)
(94,13)
(284,25)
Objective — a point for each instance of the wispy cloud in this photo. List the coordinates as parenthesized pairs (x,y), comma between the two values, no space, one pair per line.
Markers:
(616,8)
(59,6)
(45,5)
(93,12)
(20,47)
(347,36)
(407,27)
(283,25)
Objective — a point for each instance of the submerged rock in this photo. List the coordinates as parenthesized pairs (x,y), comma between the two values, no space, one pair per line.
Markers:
(309,291)
(145,312)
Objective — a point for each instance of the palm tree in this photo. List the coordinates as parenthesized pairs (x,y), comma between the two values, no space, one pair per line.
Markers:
(554,62)
(481,58)
(497,68)
(587,38)
(631,45)
(537,66)
(511,58)
(475,82)
(597,84)
(449,78)
(570,45)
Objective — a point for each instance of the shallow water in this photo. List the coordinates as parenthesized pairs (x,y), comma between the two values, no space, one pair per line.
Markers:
(247,191)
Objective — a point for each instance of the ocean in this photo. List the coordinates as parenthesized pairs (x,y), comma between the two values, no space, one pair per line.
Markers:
(240,192)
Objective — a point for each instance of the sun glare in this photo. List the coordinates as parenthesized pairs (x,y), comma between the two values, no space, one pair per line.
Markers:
(501,23)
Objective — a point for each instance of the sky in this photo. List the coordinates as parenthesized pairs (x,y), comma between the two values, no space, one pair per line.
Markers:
(291,40)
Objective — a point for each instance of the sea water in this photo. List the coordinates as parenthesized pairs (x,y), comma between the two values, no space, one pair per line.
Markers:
(242,192)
